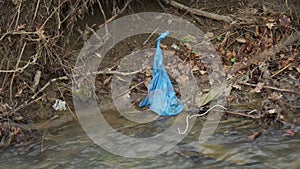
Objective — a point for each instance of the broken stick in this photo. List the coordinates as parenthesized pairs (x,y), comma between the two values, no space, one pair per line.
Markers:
(198,11)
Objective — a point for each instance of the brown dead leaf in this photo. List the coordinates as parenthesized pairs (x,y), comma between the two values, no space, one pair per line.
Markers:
(298,69)
(15,2)
(267,10)
(40,32)
(195,68)
(270,25)
(271,111)
(258,88)
(256,31)
(148,72)
(241,40)
(254,135)
(289,132)
(147,81)
(107,80)
(237,86)
(229,54)
(284,22)
(275,96)
(188,46)
(222,51)
(21,26)
(285,62)
(163,46)
(271,19)
(202,72)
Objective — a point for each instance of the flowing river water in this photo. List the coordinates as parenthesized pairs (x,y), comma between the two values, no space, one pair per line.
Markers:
(70,147)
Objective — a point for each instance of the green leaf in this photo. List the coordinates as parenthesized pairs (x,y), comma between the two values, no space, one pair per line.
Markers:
(219,37)
(232,60)
(185,40)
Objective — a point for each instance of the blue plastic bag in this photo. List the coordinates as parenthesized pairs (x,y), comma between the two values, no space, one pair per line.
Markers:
(161,97)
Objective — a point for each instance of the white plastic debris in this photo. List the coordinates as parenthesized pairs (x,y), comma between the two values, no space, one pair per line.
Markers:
(174,46)
(59,105)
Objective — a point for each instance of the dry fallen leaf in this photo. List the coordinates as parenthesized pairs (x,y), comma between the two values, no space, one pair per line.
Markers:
(270,25)
(237,86)
(163,46)
(275,96)
(272,111)
(39,30)
(107,80)
(147,81)
(21,26)
(15,2)
(258,88)
(241,40)
(284,22)
(298,69)
(271,19)
(195,68)
(255,135)
(256,31)
(289,132)
(202,72)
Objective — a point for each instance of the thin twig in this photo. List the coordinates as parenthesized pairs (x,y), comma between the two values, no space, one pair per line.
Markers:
(271,87)
(150,36)
(27,103)
(281,70)
(102,11)
(36,10)
(47,84)
(243,115)
(116,15)
(18,15)
(134,86)
(162,6)
(49,17)
(14,74)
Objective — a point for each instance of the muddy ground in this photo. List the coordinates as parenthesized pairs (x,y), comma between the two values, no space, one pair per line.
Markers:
(40,41)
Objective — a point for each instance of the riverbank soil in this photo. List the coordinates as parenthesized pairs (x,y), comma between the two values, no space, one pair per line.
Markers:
(258,42)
